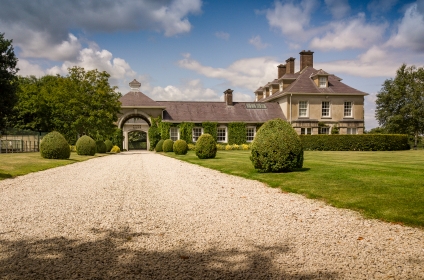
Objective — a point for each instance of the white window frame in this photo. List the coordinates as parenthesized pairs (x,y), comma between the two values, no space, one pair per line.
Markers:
(306,130)
(345,109)
(225,135)
(306,109)
(329,109)
(322,81)
(170,133)
(352,130)
(249,138)
(281,86)
(320,130)
(195,136)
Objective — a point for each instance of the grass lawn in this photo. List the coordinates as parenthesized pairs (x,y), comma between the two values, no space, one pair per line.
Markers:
(384,185)
(16,164)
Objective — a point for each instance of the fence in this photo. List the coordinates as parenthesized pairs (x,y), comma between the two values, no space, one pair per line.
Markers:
(20,141)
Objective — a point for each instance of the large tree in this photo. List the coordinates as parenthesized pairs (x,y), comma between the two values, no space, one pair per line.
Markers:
(400,102)
(8,71)
(83,102)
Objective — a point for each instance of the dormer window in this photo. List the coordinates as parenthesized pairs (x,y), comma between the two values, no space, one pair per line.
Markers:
(281,87)
(322,82)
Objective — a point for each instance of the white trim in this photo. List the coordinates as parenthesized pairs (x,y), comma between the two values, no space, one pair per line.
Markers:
(192,133)
(225,136)
(329,109)
(307,109)
(351,109)
(178,133)
(254,133)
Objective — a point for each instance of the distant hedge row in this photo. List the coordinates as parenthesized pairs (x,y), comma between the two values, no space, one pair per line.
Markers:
(362,142)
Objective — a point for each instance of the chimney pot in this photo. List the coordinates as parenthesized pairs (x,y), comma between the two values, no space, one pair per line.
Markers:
(228,96)
(306,59)
(281,70)
(290,65)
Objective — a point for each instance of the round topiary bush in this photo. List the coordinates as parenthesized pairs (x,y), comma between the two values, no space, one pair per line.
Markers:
(100,147)
(168,146)
(205,146)
(54,146)
(180,147)
(115,150)
(86,146)
(109,145)
(159,146)
(276,147)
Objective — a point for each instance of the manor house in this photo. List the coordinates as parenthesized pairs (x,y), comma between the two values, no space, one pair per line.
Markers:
(312,100)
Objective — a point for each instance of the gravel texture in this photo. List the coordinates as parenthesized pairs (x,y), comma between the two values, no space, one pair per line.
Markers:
(139,215)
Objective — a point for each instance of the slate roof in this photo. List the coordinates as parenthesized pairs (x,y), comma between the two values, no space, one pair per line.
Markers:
(305,84)
(182,111)
(137,99)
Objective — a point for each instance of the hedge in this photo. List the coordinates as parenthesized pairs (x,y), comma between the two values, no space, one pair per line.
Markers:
(186,132)
(236,133)
(164,130)
(360,142)
(154,132)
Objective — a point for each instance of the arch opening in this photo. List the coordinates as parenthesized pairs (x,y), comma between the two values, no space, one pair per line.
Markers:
(137,140)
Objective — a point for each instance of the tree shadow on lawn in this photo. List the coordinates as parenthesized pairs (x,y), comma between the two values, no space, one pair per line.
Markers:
(111,257)
(5,176)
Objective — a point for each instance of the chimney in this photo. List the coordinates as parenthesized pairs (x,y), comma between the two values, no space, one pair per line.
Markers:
(306,59)
(281,70)
(228,97)
(290,65)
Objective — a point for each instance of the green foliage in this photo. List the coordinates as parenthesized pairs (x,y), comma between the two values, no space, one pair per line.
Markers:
(236,133)
(377,130)
(180,147)
(191,147)
(159,146)
(164,130)
(109,145)
(335,129)
(55,146)
(206,146)
(117,137)
(154,132)
(8,71)
(211,128)
(115,150)
(100,147)
(186,132)
(86,146)
(276,148)
(168,146)
(360,142)
(83,102)
(400,102)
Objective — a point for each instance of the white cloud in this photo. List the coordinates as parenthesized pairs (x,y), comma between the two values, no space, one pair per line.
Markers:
(222,35)
(256,41)
(338,8)
(26,68)
(189,91)
(247,73)
(410,30)
(292,19)
(353,33)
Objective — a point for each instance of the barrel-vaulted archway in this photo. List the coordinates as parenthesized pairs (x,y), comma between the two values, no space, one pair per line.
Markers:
(134,121)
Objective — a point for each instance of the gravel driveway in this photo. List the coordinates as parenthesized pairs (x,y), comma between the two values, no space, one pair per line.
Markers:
(139,215)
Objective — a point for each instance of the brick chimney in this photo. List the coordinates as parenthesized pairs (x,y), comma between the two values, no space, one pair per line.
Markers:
(228,97)
(306,59)
(290,65)
(281,70)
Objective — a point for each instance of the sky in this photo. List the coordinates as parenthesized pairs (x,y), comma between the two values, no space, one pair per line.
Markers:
(196,49)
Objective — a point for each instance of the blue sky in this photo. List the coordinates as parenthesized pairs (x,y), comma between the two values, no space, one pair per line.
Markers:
(195,50)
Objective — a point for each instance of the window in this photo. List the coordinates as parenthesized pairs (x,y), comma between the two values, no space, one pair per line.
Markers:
(197,132)
(303,108)
(324,130)
(306,130)
(173,132)
(325,109)
(348,109)
(250,133)
(322,82)
(281,87)
(221,135)
(351,130)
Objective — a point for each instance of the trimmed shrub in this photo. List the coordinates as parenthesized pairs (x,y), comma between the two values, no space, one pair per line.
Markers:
(159,146)
(115,150)
(206,146)
(168,146)
(86,146)
(73,148)
(276,148)
(191,147)
(358,142)
(109,145)
(180,147)
(54,146)
(100,147)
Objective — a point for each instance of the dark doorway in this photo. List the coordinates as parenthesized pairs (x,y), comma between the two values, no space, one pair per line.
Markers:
(137,140)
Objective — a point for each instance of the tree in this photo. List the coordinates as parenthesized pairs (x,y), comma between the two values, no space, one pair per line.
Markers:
(400,102)
(82,103)
(8,71)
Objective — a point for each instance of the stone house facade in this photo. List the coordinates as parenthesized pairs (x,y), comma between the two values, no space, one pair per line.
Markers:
(312,100)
